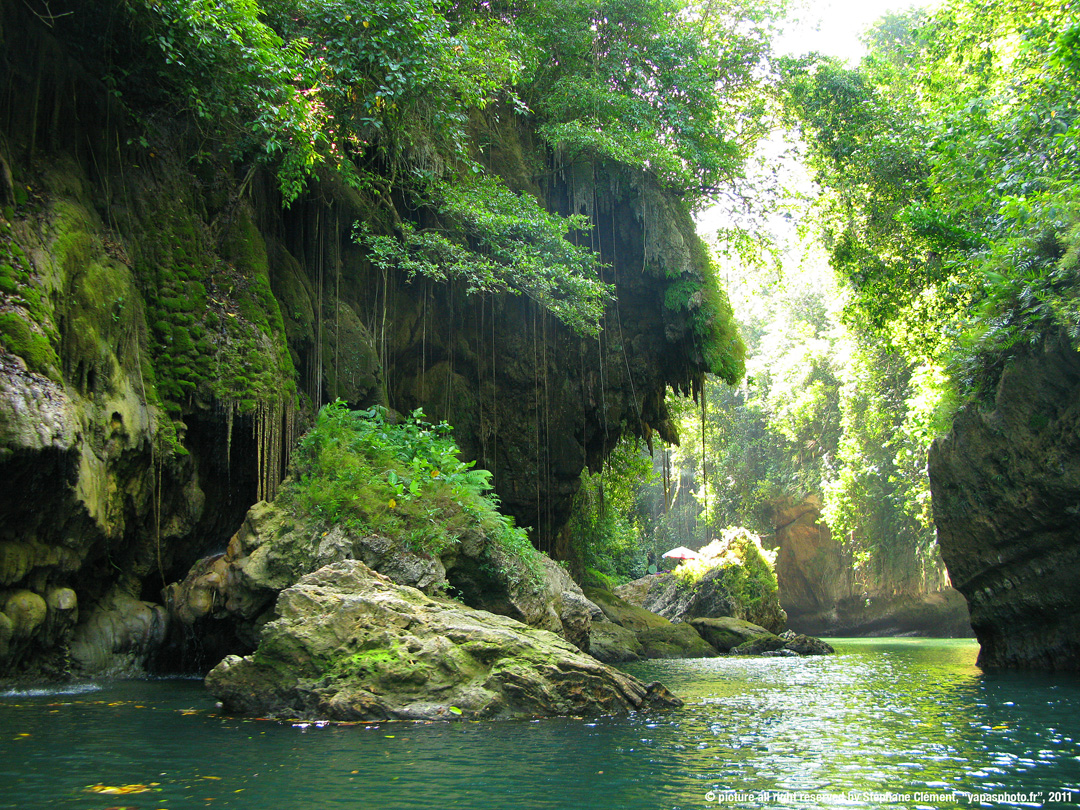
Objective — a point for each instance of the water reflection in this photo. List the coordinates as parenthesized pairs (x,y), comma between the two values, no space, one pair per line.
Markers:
(883,716)
(880,716)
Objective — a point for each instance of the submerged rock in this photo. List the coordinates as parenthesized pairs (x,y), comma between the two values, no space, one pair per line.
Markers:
(350,644)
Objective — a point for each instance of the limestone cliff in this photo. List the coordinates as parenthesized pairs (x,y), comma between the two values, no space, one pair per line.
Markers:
(820,593)
(1006,489)
(167,327)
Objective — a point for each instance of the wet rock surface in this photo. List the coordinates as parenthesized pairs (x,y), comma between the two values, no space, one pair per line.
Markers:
(1006,493)
(349,644)
(627,632)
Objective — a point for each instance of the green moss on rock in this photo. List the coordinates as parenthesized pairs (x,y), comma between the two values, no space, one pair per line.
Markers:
(20,338)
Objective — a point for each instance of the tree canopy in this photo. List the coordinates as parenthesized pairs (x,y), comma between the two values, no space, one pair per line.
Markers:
(399,99)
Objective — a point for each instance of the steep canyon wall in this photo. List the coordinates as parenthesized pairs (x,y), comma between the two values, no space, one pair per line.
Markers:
(1006,488)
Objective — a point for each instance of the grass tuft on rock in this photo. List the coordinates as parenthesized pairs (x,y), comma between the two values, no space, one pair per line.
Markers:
(365,472)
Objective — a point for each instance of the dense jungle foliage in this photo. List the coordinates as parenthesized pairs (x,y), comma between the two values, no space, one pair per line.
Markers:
(369,474)
(399,99)
(947,164)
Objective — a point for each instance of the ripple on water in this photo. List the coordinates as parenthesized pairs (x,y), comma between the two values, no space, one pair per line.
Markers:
(878,716)
(46,691)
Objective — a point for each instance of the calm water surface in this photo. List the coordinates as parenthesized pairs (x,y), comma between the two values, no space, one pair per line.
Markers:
(881,719)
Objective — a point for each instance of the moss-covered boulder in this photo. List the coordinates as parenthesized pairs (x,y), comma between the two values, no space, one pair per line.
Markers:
(726,632)
(349,644)
(612,643)
(624,614)
(807,645)
(787,643)
(640,634)
(276,546)
(759,645)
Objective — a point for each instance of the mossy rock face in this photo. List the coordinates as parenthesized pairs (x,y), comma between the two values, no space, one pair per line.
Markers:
(726,632)
(350,363)
(27,611)
(349,644)
(622,613)
(217,331)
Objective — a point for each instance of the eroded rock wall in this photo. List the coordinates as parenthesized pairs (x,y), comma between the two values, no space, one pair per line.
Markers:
(1006,493)
(166,328)
(823,597)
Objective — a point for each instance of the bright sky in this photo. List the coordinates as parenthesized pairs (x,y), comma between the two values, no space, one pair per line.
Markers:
(834,27)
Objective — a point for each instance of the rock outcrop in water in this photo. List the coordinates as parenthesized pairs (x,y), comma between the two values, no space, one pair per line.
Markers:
(349,644)
(1006,490)
(731,577)
(166,327)
(226,599)
(627,632)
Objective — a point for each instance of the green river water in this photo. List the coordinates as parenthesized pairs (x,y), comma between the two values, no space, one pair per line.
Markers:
(883,723)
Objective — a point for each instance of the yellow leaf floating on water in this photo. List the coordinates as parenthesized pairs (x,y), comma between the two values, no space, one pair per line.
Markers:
(116,790)
(209,777)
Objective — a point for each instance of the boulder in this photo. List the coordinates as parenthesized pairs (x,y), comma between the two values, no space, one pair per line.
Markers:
(653,636)
(726,632)
(551,601)
(622,613)
(759,645)
(785,645)
(808,645)
(350,644)
(674,641)
(273,549)
(26,610)
(611,643)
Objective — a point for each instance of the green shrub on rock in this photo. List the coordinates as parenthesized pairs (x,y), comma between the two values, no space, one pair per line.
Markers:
(371,475)
(747,568)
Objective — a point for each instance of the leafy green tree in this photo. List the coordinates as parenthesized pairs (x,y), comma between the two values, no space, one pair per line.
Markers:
(608,529)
